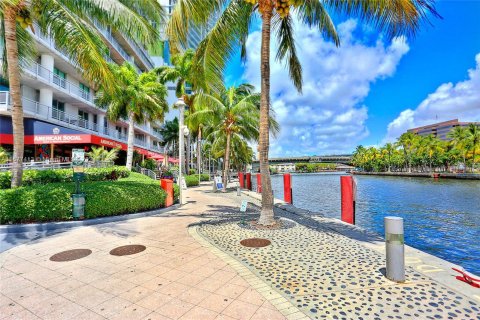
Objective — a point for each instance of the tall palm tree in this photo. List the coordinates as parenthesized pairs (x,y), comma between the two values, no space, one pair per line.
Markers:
(169,133)
(408,142)
(431,146)
(233,26)
(70,24)
(459,140)
(473,141)
(388,150)
(138,97)
(232,115)
(182,73)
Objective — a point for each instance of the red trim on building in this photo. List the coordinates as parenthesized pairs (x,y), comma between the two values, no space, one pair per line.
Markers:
(76,139)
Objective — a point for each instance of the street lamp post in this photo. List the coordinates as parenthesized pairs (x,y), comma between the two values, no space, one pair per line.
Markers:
(180,104)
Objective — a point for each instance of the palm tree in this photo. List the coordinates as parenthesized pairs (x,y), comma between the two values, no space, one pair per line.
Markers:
(431,146)
(100,154)
(473,141)
(169,133)
(138,97)
(408,142)
(70,24)
(388,150)
(232,115)
(233,26)
(182,72)
(459,140)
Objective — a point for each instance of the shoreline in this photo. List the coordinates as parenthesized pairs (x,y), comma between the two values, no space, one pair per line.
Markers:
(436,268)
(444,175)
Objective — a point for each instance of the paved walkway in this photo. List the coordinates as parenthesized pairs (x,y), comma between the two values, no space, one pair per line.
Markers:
(193,270)
(176,277)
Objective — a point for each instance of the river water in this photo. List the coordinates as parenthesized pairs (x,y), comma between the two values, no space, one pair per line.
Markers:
(441,217)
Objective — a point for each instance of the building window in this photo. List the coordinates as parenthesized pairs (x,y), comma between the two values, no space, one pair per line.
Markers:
(58,110)
(83,119)
(59,78)
(84,91)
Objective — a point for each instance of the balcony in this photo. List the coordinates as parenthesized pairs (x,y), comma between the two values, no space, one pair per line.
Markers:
(42,73)
(141,53)
(107,34)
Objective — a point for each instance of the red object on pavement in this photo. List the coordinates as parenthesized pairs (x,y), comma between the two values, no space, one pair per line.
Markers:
(259,183)
(287,188)
(348,200)
(167,185)
(240,179)
(467,277)
(249,181)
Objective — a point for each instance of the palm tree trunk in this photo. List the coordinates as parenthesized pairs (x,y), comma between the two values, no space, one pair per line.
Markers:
(226,162)
(266,214)
(14,84)
(199,153)
(130,141)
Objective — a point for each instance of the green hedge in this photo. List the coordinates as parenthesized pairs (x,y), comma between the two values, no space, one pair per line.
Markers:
(192,180)
(52,202)
(35,177)
(176,193)
(204,177)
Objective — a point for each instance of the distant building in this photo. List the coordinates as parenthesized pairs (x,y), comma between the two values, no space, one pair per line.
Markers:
(283,167)
(441,129)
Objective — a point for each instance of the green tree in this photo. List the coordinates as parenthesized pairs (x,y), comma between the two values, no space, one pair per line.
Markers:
(431,147)
(233,114)
(100,154)
(233,26)
(459,140)
(70,24)
(473,141)
(138,97)
(408,141)
(3,156)
(388,151)
(169,132)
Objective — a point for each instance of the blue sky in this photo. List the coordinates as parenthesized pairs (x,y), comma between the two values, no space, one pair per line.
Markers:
(371,89)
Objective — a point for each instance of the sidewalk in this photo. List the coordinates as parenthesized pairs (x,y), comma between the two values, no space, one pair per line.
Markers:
(174,278)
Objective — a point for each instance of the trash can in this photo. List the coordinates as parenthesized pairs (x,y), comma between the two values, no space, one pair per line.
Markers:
(78,205)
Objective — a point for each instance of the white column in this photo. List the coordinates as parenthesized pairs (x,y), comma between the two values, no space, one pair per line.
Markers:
(47,62)
(46,99)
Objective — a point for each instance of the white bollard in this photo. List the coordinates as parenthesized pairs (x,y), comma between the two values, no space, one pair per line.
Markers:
(395,249)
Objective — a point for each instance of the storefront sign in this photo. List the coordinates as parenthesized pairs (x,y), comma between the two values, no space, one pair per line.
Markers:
(58,139)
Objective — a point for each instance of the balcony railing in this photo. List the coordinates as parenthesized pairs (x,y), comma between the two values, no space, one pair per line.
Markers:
(107,33)
(141,52)
(64,85)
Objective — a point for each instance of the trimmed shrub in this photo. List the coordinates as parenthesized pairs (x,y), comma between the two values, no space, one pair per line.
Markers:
(204,177)
(176,193)
(192,171)
(41,177)
(192,180)
(52,202)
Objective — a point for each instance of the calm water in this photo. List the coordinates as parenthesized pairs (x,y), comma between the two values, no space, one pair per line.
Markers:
(441,217)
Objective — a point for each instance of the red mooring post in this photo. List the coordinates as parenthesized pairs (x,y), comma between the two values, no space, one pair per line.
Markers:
(348,200)
(259,183)
(249,181)
(240,179)
(287,188)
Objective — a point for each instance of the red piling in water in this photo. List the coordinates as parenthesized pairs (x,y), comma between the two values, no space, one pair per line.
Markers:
(287,188)
(249,181)
(348,199)
(240,178)
(259,183)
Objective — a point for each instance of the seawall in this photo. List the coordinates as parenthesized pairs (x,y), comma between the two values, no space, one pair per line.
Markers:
(446,175)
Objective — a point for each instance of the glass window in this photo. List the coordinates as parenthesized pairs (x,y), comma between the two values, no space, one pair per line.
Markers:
(59,73)
(83,115)
(84,87)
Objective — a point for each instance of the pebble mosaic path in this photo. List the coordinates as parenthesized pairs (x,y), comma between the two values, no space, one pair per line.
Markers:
(329,276)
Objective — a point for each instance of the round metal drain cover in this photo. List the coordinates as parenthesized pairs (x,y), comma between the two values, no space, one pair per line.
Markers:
(70,255)
(127,250)
(255,242)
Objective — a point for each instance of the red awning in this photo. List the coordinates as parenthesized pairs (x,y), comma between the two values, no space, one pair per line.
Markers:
(173,160)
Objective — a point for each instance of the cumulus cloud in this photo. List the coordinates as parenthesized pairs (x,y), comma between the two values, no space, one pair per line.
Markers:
(449,101)
(329,117)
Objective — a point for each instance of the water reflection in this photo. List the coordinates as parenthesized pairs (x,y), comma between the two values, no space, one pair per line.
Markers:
(441,217)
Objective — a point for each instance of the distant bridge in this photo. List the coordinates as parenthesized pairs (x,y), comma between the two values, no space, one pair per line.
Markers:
(345,159)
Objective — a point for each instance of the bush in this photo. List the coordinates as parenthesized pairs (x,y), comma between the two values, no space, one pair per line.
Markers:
(192,180)
(204,177)
(52,202)
(36,177)
(192,171)
(149,164)
(176,193)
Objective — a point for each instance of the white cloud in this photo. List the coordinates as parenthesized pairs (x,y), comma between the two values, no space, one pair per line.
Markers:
(449,101)
(329,117)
